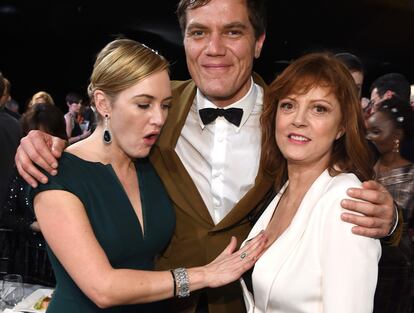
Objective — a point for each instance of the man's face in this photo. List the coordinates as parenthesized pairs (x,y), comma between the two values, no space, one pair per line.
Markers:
(220,47)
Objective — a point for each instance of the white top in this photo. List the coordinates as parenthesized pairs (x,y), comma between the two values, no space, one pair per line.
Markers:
(317,264)
(221,158)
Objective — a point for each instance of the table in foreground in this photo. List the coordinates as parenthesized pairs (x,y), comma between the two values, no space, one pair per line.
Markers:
(28,290)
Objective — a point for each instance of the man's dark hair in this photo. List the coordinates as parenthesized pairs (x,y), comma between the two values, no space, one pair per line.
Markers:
(351,61)
(395,82)
(256,9)
(73,97)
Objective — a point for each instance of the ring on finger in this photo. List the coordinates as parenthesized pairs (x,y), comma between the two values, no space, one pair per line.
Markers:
(243,255)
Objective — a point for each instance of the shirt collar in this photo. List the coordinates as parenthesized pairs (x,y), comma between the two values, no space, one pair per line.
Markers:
(246,103)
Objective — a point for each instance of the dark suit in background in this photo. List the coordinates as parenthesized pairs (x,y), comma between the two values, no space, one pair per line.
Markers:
(10,134)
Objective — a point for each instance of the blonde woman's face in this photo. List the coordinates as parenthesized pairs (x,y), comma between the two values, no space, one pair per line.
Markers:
(139,113)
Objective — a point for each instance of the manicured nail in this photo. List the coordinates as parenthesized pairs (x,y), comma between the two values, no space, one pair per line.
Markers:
(54,172)
(44,180)
(34,185)
(54,165)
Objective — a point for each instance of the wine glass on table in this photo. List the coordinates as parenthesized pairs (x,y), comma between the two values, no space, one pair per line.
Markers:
(12,290)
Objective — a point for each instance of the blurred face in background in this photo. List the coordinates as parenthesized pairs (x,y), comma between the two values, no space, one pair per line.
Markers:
(74,107)
(382,132)
(359,80)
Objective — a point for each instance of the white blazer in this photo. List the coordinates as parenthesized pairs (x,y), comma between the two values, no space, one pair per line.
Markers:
(317,264)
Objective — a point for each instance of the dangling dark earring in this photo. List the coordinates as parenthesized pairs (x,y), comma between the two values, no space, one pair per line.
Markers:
(107,136)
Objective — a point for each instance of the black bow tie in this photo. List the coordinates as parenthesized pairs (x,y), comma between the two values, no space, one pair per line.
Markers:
(233,115)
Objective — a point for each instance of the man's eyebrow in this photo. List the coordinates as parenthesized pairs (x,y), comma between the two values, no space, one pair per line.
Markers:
(235,25)
(226,26)
(196,25)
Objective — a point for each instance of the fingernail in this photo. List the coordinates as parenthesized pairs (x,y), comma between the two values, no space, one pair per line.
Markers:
(44,180)
(54,165)
(351,191)
(34,185)
(54,172)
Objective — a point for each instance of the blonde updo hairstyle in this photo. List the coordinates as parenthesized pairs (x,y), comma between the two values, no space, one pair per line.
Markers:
(121,64)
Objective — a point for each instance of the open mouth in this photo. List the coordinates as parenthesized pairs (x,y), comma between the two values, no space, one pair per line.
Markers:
(152,136)
(150,139)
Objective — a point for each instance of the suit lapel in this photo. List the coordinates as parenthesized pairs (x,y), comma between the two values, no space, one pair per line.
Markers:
(180,186)
(183,192)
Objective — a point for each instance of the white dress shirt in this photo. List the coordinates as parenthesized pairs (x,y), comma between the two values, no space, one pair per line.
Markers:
(221,158)
(317,265)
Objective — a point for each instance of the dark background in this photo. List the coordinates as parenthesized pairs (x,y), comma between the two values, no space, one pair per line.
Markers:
(50,45)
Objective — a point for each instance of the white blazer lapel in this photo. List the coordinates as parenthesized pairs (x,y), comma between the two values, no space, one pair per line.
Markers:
(269,265)
(260,225)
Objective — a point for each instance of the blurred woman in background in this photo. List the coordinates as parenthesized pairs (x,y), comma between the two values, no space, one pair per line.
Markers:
(41,97)
(389,128)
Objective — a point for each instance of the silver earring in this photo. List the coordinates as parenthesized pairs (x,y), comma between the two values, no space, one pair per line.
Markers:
(107,136)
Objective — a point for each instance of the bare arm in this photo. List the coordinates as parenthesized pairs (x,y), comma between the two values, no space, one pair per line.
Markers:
(82,136)
(41,149)
(68,123)
(67,230)
(377,207)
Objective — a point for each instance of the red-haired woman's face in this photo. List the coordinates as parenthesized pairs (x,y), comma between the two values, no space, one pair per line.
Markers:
(307,126)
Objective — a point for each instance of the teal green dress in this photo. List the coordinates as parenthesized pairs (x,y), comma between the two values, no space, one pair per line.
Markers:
(115,225)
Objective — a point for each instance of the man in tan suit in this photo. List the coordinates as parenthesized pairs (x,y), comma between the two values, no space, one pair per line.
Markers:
(211,167)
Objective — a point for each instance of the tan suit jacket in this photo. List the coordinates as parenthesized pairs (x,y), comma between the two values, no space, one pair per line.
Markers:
(197,240)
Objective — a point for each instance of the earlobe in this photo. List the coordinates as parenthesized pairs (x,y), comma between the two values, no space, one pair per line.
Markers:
(259,45)
(102,103)
(340,133)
